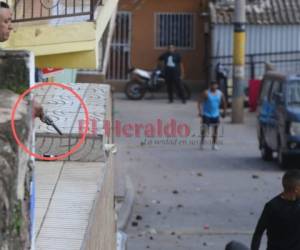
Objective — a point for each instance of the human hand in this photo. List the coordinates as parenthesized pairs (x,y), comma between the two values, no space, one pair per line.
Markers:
(38,111)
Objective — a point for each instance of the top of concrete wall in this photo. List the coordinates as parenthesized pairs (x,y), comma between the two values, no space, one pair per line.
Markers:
(69,116)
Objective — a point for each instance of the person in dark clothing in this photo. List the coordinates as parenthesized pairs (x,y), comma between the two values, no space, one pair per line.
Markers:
(281,217)
(234,245)
(174,72)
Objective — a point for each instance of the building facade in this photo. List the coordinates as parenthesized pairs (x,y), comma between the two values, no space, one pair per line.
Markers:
(145,28)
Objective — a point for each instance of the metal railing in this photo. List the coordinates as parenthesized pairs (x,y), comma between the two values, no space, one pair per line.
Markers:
(285,62)
(35,10)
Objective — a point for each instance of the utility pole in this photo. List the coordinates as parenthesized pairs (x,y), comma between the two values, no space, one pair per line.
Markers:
(239,61)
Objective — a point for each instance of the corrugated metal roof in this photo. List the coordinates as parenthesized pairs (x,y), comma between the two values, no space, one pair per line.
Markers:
(258,11)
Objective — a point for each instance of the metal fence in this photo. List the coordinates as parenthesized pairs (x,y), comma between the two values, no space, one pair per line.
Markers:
(175,28)
(34,10)
(285,62)
(119,60)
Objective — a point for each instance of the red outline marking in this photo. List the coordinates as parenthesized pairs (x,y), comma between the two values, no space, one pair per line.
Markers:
(72,150)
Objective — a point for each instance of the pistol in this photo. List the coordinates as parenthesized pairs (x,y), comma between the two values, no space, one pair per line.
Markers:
(47,120)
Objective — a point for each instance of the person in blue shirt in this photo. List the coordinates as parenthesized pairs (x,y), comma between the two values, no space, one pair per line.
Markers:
(209,105)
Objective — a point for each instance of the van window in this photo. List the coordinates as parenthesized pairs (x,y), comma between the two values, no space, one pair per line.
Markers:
(265,90)
(293,93)
(276,88)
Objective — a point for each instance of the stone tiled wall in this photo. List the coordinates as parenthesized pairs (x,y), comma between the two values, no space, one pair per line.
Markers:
(14,72)
(15,176)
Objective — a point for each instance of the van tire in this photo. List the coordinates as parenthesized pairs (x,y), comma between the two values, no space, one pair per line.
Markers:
(283,159)
(266,152)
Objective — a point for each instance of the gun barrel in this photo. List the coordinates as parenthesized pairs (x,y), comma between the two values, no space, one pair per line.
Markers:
(57,129)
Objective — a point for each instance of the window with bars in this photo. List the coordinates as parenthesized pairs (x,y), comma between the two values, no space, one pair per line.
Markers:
(176,29)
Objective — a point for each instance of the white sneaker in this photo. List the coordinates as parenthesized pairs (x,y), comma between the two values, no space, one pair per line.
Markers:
(215,147)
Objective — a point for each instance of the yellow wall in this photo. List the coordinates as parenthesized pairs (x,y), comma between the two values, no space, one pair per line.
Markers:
(84,59)
(67,46)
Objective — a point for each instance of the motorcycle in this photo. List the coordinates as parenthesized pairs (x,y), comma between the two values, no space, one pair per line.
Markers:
(142,81)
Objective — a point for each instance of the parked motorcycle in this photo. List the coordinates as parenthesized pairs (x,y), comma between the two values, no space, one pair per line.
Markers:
(142,81)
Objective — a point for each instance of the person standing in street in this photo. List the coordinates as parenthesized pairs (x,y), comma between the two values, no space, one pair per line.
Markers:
(5,30)
(209,105)
(222,78)
(174,72)
(281,217)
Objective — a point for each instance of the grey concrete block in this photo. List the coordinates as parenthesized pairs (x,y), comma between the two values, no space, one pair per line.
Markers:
(67,113)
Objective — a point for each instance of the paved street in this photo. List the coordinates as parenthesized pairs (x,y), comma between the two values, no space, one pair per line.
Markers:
(187,199)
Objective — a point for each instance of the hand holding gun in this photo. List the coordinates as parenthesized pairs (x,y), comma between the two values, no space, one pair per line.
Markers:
(38,112)
(46,119)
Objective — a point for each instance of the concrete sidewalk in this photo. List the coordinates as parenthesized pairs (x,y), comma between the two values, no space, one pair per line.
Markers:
(66,193)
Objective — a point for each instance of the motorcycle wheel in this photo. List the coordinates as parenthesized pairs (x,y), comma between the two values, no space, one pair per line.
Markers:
(135,90)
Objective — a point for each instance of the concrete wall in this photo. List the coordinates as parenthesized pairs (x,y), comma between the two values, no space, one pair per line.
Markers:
(102,230)
(143,51)
(101,234)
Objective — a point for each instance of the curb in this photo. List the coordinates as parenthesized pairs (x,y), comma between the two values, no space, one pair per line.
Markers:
(126,208)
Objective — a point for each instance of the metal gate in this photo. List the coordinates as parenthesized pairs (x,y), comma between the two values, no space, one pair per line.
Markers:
(119,62)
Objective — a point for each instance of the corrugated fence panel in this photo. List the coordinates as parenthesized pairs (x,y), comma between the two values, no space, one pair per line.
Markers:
(260,39)
(279,44)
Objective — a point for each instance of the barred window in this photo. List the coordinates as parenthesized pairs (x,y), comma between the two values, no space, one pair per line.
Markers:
(176,29)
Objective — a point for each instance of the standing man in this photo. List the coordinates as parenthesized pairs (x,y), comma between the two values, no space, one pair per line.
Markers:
(209,105)
(5,21)
(174,72)
(5,30)
(281,217)
(222,78)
